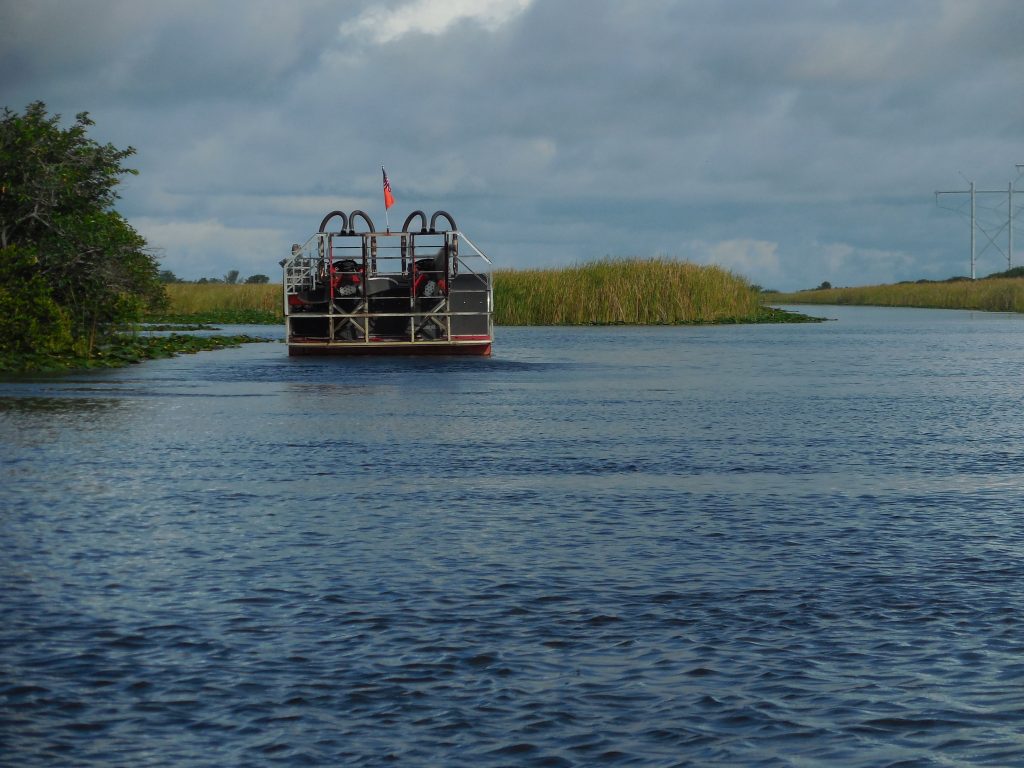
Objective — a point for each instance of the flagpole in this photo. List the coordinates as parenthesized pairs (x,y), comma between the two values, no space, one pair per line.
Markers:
(387,223)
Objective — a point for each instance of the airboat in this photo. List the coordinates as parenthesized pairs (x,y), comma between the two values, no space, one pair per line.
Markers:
(424,290)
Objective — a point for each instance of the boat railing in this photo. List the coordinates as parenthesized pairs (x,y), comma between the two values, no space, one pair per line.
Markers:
(347,287)
(300,273)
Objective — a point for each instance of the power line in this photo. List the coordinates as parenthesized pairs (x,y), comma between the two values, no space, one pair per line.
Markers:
(976,226)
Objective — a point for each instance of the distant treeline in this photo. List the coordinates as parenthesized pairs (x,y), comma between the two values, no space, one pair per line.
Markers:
(231,278)
(998,292)
(605,292)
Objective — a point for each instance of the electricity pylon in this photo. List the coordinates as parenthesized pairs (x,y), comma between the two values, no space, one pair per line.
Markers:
(975,227)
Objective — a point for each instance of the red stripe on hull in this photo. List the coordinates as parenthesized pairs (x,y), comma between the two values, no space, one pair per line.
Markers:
(378,348)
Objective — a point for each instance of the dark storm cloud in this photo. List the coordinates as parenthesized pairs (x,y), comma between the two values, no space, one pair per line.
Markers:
(792,141)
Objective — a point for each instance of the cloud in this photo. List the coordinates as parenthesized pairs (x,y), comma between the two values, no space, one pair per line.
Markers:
(554,131)
(385,24)
(210,248)
(756,259)
(848,264)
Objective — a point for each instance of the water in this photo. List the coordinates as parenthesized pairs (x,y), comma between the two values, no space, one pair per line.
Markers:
(765,545)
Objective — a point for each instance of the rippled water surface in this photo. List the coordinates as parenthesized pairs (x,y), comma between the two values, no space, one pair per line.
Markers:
(765,545)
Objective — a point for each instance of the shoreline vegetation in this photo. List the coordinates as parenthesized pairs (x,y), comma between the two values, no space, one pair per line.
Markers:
(996,293)
(605,292)
(119,350)
(630,292)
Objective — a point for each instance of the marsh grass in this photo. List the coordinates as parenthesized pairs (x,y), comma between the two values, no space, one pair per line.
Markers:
(223,303)
(990,294)
(604,292)
(624,291)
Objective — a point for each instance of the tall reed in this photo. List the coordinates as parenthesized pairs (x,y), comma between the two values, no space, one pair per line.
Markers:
(609,291)
(220,298)
(990,294)
(631,291)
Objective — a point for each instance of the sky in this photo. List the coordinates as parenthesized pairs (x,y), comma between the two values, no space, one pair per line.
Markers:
(792,142)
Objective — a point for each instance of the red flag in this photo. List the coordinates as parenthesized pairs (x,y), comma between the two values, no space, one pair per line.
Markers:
(389,199)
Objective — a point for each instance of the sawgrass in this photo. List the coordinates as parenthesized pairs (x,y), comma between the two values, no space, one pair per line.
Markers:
(624,291)
(223,303)
(606,292)
(990,294)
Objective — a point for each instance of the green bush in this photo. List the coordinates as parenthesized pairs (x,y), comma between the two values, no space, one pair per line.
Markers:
(31,322)
(57,192)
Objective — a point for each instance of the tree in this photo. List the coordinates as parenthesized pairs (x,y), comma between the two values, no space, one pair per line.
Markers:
(231,277)
(257,279)
(31,322)
(57,195)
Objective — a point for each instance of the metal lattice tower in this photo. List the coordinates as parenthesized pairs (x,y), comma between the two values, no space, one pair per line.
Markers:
(990,232)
